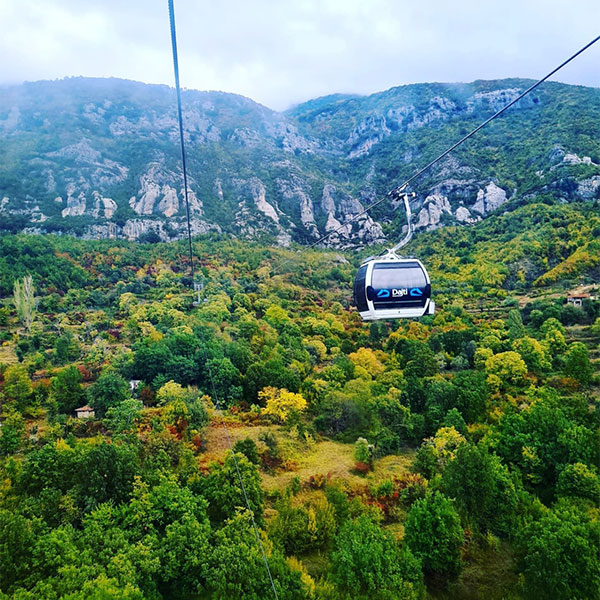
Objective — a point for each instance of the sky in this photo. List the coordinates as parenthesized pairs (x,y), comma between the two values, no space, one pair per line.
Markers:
(282,52)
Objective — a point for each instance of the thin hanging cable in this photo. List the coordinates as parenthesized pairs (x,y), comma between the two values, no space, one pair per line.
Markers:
(396,191)
(239,475)
(187,206)
(185,185)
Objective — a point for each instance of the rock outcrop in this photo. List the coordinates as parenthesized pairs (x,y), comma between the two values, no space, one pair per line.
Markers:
(103,207)
(434,207)
(293,195)
(489,199)
(588,189)
(339,208)
(158,194)
(463,215)
(76,205)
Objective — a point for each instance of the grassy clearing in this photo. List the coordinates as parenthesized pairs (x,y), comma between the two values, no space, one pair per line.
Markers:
(488,574)
(216,438)
(316,564)
(334,460)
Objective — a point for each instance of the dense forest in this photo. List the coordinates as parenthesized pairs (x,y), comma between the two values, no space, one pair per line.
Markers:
(454,457)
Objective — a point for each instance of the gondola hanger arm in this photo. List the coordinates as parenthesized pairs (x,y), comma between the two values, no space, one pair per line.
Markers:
(405,197)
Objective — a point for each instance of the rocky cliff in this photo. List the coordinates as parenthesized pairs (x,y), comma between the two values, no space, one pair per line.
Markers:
(100,158)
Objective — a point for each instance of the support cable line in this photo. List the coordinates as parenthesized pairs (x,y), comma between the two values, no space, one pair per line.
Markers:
(180,118)
(396,193)
(214,390)
(239,476)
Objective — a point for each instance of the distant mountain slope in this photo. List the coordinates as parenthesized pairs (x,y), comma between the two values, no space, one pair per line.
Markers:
(100,158)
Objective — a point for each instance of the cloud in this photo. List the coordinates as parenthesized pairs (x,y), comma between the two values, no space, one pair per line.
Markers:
(280,53)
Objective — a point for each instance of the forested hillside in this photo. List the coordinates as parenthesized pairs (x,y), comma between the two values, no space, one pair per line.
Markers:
(99,158)
(454,457)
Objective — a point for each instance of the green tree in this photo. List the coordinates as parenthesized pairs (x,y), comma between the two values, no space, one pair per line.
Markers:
(12,433)
(123,416)
(17,537)
(434,535)
(533,353)
(65,349)
(514,323)
(471,394)
(106,473)
(224,380)
(580,481)
(66,389)
(17,385)
(454,419)
(542,439)
(248,448)
(237,568)
(24,299)
(555,342)
(551,324)
(225,492)
(309,526)
(578,365)
(362,451)
(560,556)
(106,588)
(109,390)
(509,367)
(170,392)
(368,563)
(484,490)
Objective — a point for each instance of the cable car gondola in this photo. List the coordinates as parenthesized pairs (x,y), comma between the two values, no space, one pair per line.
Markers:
(392,287)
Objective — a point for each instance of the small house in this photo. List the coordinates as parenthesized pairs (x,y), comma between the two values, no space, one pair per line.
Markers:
(134,384)
(85,412)
(577,299)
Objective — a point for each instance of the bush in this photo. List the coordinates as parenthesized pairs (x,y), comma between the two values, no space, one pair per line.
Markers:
(248,448)
(434,535)
(363,452)
(579,481)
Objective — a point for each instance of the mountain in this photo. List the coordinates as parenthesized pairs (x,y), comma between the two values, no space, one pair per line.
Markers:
(100,158)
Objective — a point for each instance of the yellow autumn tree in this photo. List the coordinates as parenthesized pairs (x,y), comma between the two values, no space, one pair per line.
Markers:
(368,360)
(280,402)
(170,392)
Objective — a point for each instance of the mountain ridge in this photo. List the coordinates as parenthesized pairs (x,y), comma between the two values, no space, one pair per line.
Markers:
(99,157)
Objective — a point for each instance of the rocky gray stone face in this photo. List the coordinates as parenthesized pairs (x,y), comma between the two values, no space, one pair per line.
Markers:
(431,214)
(371,130)
(463,215)
(293,192)
(103,231)
(497,99)
(340,207)
(260,199)
(75,204)
(158,194)
(103,207)
(11,122)
(573,159)
(82,152)
(377,126)
(489,200)
(588,189)
(556,155)
(255,213)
